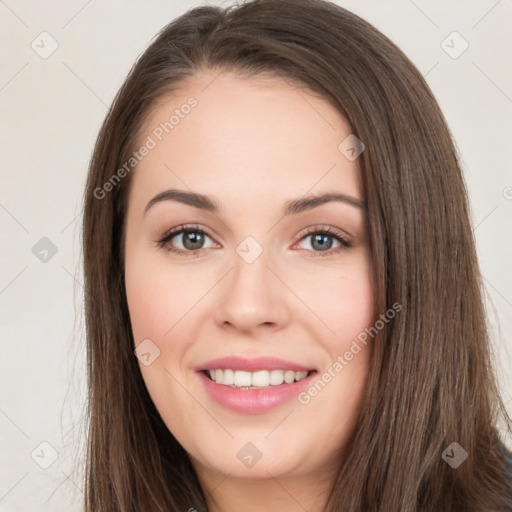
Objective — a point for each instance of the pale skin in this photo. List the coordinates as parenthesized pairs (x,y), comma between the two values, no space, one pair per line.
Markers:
(251,144)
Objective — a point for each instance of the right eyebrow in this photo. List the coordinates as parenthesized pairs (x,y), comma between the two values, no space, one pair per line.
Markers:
(200,201)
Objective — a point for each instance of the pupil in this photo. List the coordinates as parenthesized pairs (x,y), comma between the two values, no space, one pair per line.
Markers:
(193,240)
(320,238)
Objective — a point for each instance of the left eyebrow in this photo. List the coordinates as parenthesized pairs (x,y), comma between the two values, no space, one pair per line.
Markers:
(291,207)
(307,203)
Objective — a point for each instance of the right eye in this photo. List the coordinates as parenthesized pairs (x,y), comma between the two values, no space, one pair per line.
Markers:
(184,240)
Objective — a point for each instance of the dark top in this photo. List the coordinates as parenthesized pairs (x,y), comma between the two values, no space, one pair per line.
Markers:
(508,456)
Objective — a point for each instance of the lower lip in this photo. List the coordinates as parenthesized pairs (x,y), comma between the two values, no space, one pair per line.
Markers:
(254,401)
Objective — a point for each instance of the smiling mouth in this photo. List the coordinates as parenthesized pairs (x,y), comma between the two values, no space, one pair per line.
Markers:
(240,379)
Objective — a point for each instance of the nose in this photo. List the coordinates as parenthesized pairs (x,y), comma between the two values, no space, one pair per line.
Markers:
(252,296)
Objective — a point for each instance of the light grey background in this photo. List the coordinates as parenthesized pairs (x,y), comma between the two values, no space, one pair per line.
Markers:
(51,110)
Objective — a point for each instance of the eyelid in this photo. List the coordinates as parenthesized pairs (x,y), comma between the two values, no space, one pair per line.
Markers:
(177,230)
(170,233)
(325,229)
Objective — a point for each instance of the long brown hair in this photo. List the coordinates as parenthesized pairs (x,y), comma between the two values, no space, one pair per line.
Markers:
(431,381)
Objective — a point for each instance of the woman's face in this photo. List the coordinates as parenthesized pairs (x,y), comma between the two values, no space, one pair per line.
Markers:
(255,292)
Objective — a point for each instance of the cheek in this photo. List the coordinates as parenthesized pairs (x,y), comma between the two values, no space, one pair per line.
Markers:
(148,306)
(341,299)
(344,303)
(354,306)
(159,297)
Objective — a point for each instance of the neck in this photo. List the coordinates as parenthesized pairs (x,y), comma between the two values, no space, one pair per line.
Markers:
(226,493)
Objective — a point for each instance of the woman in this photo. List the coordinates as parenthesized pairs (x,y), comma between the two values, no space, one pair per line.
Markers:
(283,298)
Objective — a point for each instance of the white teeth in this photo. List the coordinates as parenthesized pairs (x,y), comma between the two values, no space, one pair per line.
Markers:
(289,377)
(229,377)
(241,378)
(259,379)
(276,377)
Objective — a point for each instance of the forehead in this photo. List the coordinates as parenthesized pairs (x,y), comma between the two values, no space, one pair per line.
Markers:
(244,138)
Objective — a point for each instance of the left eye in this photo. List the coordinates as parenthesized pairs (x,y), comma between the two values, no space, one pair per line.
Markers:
(322,241)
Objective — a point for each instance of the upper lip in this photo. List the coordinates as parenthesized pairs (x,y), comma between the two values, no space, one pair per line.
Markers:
(252,365)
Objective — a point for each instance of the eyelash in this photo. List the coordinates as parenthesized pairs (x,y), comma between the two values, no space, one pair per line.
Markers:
(315,230)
